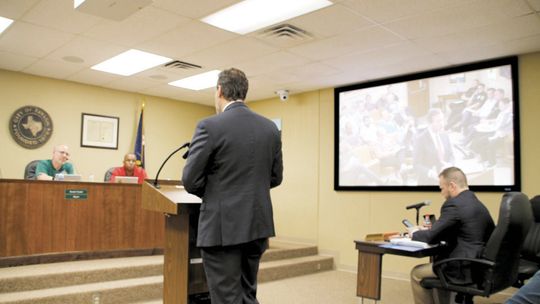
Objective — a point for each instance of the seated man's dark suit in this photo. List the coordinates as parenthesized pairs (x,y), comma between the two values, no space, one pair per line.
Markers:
(465,225)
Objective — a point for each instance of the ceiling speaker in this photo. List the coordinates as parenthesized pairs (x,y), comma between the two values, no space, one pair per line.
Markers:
(117,10)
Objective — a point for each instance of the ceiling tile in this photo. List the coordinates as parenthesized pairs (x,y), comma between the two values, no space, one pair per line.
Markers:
(458,18)
(202,97)
(130,84)
(315,69)
(60,15)
(233,51)
(195,9)
(14,61)
(31,40)
(14,9)
(508,29)
(187,39)
(272,62)
(372,59)
(473,54)
(382,11)
(535,4)
(350,42)
(343,20)
(362,40)
(53,69)
(141,26)
(93,77)
(523,45)
(90,50)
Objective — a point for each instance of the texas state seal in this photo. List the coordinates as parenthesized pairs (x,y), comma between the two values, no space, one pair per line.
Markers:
(31,127)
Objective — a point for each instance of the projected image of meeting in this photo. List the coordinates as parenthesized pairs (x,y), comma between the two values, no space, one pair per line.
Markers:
(402,132)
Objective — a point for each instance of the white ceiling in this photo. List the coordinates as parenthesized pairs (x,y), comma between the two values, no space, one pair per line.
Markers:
(349,42)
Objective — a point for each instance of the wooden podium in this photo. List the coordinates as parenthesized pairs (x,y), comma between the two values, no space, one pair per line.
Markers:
(183,273)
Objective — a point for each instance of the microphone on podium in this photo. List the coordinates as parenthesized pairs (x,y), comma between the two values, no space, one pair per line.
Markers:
(419,205)
(186,145)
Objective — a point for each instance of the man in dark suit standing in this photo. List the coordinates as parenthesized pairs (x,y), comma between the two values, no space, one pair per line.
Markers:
(234,159)
(464,224)
(432,149)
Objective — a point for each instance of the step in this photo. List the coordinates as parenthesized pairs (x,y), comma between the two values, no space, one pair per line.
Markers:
(288,251)
(32,277)
(281,269)
(133,279)
(109,292)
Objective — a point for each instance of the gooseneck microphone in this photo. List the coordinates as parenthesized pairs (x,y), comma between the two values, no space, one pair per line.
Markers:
(419,205)
(157,175)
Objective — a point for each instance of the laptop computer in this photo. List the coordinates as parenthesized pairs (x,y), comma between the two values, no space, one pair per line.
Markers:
(126,179)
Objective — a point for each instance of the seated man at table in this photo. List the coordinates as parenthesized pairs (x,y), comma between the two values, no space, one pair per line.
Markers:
(47,169)
(464,224)
(130,168)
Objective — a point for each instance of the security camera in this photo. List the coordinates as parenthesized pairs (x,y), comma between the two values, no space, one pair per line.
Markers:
(283,94)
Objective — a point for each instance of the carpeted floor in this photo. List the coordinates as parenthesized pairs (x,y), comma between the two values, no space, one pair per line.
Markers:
(338,287)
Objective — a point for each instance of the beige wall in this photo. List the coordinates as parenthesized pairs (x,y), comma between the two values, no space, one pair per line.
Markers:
(307,209)
(167,123)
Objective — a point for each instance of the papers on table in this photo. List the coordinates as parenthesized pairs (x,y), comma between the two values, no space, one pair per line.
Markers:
(408,242)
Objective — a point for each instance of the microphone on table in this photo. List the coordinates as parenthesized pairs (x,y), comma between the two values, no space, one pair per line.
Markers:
(175,151)
(419,205)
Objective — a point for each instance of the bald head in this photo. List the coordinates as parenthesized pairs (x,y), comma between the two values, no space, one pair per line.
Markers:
(60,155)
(130,161)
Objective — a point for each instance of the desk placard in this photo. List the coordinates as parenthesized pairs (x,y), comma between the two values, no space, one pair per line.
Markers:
(76,194)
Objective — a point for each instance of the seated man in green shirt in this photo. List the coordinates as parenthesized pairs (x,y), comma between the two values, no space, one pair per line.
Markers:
(47,169)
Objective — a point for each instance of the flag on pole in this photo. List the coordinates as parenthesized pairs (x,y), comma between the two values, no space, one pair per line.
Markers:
(139,141)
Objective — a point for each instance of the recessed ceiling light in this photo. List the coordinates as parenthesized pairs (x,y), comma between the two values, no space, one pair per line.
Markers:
(4,23)
(198,82)
(130,62)
(250,15)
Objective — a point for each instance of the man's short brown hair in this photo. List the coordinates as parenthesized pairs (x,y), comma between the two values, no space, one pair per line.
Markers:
(454,174)
(234,84)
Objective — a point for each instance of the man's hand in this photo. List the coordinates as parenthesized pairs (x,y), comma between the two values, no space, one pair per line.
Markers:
(413,229)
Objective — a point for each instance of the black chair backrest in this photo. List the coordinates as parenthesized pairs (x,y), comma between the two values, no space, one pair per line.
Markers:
(504,245)
(30,170)
(108,174)
(531,245)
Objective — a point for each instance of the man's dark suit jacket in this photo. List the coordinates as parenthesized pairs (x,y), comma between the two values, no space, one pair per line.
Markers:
(234,159)
(465,225)
(426,157)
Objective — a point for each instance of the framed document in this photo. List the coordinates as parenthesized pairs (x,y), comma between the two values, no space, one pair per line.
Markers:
(99,131)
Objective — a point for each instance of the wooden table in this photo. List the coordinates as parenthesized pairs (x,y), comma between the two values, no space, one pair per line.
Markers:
(368,280)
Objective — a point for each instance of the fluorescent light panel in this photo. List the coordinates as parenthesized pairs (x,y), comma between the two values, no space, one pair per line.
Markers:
(198,82)
(250,15)
(130,62)
(4,23)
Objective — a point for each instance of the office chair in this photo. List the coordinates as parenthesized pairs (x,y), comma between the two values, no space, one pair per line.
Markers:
(108,174)
(529,263)
(30,170)
(497,269)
